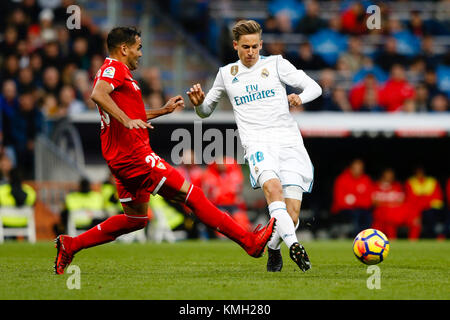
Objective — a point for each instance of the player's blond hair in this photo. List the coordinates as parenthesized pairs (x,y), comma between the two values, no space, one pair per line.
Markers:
(244,27)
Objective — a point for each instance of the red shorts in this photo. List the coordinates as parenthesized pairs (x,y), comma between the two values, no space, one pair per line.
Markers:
(157,177)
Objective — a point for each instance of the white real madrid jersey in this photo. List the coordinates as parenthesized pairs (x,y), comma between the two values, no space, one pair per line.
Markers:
(259,99)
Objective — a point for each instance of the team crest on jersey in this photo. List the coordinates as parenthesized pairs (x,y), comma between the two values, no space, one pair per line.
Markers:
(256,170)
(234,70)
(264,73)
(109,72)
(161,166)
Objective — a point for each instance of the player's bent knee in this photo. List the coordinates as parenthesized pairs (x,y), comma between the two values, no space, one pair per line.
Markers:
(271,184)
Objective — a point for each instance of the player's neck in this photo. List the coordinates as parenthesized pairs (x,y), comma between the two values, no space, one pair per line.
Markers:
(120,59)
(249,66)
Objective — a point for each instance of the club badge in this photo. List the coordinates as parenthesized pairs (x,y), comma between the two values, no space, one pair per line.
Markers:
(264,73)
(234,70)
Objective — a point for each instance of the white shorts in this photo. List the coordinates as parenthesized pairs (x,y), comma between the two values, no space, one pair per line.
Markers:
(292,165)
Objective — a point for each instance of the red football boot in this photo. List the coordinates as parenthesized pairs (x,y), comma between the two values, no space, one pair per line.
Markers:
(63,254)
(261,237)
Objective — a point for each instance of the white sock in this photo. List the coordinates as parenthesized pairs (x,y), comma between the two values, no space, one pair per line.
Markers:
(284,226)
(275,242)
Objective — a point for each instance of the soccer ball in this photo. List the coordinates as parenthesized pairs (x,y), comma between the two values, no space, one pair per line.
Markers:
(371,246)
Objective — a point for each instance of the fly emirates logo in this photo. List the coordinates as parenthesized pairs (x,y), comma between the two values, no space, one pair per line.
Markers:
(253,94)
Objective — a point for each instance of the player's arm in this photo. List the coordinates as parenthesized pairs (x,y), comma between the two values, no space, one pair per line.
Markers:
(205,104)
(101,96)
(169,107)
(298,79)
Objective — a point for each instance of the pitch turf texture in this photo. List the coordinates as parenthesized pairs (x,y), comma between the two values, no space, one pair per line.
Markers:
(221,270)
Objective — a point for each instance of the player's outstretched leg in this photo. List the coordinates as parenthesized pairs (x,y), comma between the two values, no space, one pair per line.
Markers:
(299,256)
(107,231)
(253,243)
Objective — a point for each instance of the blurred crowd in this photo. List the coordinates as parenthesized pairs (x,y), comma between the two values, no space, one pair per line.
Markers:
(393,68)
(418,207)
(47,71)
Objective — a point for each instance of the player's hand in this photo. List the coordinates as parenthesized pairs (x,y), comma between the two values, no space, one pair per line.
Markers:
(137,124)
(294,100)
(174,103)
(196,94)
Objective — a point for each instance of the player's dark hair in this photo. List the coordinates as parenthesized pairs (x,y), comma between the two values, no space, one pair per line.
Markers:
(121,35)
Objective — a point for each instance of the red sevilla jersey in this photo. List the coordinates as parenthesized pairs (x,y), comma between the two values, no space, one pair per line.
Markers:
(123,148)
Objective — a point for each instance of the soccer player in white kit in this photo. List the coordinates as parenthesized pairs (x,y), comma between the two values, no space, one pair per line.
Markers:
(273,145)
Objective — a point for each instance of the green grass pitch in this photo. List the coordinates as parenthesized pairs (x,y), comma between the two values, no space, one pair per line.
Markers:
(221,270)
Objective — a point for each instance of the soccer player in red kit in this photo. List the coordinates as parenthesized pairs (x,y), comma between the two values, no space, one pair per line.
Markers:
(138,171)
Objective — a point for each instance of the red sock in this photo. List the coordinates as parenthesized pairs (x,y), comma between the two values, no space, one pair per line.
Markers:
(214,218)
(108,231)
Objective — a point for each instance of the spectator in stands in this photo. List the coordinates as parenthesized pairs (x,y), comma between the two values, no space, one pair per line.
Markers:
(389,55)
(287,12)
(407,43)
(275,47)
(424,193)
(389,204)
(311,22)
(353,20)
(28,123)
(68,104)
(111,203)
(422,97)
(443,74)
(226,53)
(19,20)
(270,27)
(47,30)
(306,59)
(352,200)
(9,103)
(51,56)
(366,95)
(36,66)
(17,194)
(439,103)
(8,45)
(340,100)
(327,81)
(431,82)
(343,72)
(442,14)
(25,81)
(416,68)
(6,165)
(50,107)
(150,82)
(369,67)
(329,42)
(84,199)
(428,52)
(416,25)
(79,54)
(10,68)
(397,90)
(354,56)
(222,183)
(83,88)
(31,8)
(51,81)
